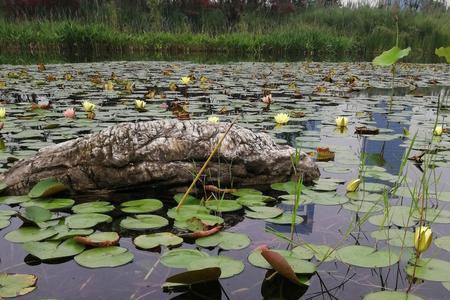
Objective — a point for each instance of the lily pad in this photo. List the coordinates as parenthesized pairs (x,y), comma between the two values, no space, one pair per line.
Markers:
(395,237)
(149,241)
(298,265)
(13,285)
(93,207)
(29,234)
(81,221)
(144,222)
(223,205)
(37,214)
(225,241)
(285,219)
(229,266)
(50,204)
(432,269)
(391,56)
(181,258)
(104,257)
(443,242)
(366,257)
(53,249)
(141,206)
(263,212)
(391,295)
(47,187)
(14,199)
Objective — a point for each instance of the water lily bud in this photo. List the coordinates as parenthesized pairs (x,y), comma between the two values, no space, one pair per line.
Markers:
(213,120)
(437,130)
(341,121)
(139,104)
(2,112)
(353,185)
(422,238)
(281,118)
(185,80)
(88,106)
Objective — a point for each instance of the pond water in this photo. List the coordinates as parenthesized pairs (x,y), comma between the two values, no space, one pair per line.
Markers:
(314,94)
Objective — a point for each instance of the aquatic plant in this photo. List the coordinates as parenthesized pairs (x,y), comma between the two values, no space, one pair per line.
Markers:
(69,113)
(213,119)
(88,106)
(139,104)
(281,118)
(341,122)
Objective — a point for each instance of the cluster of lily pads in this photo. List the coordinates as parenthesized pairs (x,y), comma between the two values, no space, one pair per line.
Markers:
(309,97)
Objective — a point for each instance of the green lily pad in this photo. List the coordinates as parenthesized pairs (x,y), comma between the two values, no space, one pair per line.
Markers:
(443,242)
(29,234)
(225,241)
(263,212)
(363,207)
(47,187)
(189,199)
(254,200)
(391,295)
(397,215)
(13,285)
(391,56)
(181,258)
(141,206)
(144,222)
(53,249)
(14,199)
(364,196)
(93,207)
(104,257)
(246,192)
(81,221)
(432,269)
(223,205)
(395,237)
(51,204)
(37,214)
(229,267)
(149,241)
(289,187)
(366,257)
(187,212)
(285,219)
(320,252)
(64,232)
(298,265)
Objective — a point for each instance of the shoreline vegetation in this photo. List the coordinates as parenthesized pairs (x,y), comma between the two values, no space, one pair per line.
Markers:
(313,33)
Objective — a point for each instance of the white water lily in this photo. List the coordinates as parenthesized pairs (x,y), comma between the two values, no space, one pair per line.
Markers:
(213,120)
(139,104)
(282,118)
(438,130)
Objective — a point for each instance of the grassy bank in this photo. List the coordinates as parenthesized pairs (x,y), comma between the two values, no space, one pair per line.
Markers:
(320,33)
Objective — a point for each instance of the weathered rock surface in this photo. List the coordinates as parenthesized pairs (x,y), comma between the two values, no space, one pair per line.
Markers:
(155,154)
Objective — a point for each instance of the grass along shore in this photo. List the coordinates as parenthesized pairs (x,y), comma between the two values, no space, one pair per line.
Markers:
(321,33)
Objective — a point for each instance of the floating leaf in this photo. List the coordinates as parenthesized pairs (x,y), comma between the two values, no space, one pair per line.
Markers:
(391,295)
(298,265)
(81,221)
(144,222)
(432,269)
(51,204)
(190,200)
(13,285)
(93,207)
(14,199)
(391,56)
(225,241)
(443,52)
(149,241)
(53,249)
(285,219)
(366,257)
(37,214)
(63,232)
(181,258)
(99,239)
(29,234)
(104,257)
(47,187)
(263,212)
(141,206)
(228,266)
(223,205)
(395,237)
(443,242)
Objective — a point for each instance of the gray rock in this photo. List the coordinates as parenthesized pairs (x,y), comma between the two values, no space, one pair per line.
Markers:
(160,154)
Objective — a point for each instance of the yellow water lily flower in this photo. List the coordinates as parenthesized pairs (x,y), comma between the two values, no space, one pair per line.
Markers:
(213,120)
(438,130)
(353,185)
(185,80)
(139,104)
(109,86)
(2,112)
(422,238)
(282,118)
(88,106)
(341,121)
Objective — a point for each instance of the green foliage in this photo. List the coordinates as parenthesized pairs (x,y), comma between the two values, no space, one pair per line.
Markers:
(391,56)
(443,52)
